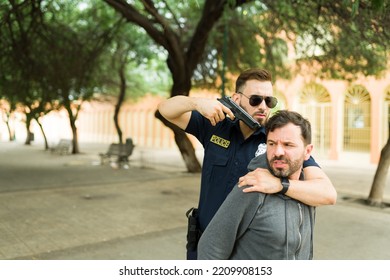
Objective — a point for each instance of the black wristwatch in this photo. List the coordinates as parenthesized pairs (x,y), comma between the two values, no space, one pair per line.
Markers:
(285,184)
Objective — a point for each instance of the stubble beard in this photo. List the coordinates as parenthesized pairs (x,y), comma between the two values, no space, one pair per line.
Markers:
(293,166)
(262,122)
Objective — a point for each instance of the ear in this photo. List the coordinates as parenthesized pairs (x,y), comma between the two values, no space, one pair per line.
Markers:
(308,151)
(236,97)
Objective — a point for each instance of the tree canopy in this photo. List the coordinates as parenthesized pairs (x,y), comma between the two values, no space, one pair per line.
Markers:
(341,39)
(53,50)
(204,39)
(57,54)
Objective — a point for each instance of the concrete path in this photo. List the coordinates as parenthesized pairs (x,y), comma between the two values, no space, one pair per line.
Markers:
(70,207)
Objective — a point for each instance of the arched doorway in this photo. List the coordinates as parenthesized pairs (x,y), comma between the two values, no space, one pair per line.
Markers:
(357,119)
(315,105)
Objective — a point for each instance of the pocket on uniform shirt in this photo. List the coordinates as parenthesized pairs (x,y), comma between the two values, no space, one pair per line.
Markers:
(218,167)
(219,159)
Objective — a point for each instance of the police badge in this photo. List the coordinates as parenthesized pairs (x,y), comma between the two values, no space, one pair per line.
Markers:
(261,149)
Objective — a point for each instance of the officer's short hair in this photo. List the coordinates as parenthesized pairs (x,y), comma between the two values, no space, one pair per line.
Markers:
(261,75)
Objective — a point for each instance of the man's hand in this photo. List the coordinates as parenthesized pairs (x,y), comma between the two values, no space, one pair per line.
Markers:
(260,180)
(213,110)
(178,110)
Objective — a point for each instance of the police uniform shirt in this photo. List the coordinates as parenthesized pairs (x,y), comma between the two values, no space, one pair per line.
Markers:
(226,157)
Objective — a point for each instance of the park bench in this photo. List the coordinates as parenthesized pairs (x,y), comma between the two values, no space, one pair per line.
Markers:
(63,147)
(118,154)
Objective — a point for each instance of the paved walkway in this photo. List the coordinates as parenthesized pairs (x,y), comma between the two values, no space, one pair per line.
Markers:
(70,207)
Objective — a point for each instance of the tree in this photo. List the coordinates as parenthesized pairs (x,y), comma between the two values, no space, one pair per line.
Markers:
(76,46)
(20,61)
(333,39)
(7,108)
(323,32)
(65,74)
(375,198)
(125,56)
(74,65)
(184,43)
(72,44)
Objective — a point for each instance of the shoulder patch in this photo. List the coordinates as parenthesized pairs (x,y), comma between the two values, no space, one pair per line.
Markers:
(220,141)
(261,149)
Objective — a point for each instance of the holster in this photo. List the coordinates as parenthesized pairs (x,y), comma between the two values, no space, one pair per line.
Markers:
(193,231)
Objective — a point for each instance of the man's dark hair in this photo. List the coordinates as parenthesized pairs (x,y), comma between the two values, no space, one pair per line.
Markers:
(284,117)
(252,74)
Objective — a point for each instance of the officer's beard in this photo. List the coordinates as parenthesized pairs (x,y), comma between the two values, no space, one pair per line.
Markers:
(262,121)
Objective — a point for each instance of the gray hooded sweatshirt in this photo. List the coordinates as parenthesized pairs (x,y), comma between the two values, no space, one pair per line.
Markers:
(257,226)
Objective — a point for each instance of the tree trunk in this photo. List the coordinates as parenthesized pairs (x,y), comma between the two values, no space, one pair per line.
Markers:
(72,122)
(378,186)
(118,105)
(43,133)
(184,144)
(6,118)
(11,135)
(75,142)
(29,136)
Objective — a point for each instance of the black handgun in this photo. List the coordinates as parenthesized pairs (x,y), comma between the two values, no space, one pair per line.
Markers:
(239,113)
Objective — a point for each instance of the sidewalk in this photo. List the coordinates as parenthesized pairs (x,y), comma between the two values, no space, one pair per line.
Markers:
(69,207)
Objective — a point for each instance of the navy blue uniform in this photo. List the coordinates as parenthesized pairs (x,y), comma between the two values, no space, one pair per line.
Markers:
(226,158)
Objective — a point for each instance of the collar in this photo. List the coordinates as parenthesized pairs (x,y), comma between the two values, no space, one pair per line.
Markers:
(260,130)
(259,133)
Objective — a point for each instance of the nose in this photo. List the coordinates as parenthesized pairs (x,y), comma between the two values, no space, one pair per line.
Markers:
(263,105)
(279,151)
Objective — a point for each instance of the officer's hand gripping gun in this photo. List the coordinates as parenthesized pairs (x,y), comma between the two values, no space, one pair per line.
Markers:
(239,113)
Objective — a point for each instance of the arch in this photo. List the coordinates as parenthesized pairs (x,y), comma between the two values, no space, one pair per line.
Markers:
(314,93)
(357,119)
(357,94)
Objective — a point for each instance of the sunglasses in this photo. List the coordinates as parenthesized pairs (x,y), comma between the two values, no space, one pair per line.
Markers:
(255,100)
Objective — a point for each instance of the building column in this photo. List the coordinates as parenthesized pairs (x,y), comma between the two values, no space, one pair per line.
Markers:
(336,90)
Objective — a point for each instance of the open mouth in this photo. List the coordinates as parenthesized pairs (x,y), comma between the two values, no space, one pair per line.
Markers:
(279,164)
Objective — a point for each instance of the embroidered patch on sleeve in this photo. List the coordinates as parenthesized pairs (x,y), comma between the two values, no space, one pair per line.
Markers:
(220,141)
(261,149)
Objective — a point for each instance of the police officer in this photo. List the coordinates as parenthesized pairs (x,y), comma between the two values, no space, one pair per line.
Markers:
(230,144)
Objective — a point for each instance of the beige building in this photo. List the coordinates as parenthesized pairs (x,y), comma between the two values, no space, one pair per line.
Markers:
(346,118)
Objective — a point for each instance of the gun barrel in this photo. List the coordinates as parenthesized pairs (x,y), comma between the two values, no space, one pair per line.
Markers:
(239,113)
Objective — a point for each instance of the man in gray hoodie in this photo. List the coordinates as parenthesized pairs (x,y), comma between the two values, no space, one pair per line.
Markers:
(267,226)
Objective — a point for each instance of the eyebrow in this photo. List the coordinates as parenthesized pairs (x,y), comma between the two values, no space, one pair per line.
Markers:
(283,142)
